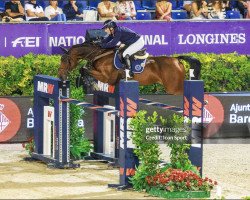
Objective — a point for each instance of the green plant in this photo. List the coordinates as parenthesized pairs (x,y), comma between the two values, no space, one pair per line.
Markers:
(147,151)
(179,149)
(29,146)
(79,144)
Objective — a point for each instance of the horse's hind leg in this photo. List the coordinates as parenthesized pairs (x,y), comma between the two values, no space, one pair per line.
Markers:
(174,90)
(174,85)
(173,79)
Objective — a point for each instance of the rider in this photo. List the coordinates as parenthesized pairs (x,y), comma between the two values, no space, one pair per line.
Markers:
(132,40)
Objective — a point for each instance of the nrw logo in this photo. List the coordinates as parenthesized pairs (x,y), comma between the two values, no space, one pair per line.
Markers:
(105,87)
(26,42)
(4,121)
(45,87)
(10,119)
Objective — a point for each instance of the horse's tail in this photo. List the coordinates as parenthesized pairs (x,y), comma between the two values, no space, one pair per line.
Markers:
(195,66)
(66,51)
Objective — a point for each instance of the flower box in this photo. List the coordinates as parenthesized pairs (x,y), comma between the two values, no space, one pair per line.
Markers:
(184,194)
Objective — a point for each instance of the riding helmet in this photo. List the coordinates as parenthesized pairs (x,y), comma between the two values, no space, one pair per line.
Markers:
(109,24)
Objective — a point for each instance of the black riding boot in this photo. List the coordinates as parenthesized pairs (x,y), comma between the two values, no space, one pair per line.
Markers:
(128,65)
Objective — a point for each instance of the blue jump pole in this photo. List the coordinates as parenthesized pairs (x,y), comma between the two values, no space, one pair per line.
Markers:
(193,109)
(129,101)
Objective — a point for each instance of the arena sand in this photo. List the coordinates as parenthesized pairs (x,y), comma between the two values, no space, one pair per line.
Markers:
(228,164)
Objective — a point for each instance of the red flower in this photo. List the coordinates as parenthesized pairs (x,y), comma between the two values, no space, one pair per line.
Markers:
(200,183)
(168,188)
(215,183)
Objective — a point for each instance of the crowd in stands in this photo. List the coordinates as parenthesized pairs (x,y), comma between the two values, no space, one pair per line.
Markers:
(92,10)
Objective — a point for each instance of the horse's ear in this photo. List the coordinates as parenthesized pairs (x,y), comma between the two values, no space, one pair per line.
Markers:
(66,51)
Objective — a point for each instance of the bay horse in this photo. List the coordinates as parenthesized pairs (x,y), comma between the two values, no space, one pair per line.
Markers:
(168,71)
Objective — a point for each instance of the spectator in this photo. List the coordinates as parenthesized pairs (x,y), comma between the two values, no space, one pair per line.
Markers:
(15,10)
(246,5)
(34,12)
(106,10)
(241,6)
(248,9)
(125,10)
(199,10)
(163,10)
(227,5)
(216,10)
(187,5)
(73,11)
(53,12)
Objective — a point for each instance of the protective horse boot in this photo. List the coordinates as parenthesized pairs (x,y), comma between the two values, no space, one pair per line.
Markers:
(128,65)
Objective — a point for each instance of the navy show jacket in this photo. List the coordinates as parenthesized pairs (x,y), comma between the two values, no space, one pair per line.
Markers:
(121,34)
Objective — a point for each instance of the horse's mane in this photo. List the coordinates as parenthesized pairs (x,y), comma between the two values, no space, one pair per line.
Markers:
(85,44)
(95,48)
(90,45)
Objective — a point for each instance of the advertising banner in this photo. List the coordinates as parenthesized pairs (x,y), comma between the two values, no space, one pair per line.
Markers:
(211,37)
(156,42)
(20,39)
(16,119)
(227,115)
(161,38)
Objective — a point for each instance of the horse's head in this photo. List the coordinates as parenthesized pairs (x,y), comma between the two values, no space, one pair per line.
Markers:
(69,60)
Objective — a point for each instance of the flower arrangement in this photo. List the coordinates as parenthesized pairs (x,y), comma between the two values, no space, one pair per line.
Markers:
(178,180)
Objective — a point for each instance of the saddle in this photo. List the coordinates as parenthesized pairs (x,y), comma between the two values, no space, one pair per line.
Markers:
(138,60)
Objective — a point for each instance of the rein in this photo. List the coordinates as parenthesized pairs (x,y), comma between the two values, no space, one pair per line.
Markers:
(86,57)
(102,55)
(96,51)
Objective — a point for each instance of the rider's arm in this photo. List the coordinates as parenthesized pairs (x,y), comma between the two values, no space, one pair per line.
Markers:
(113,42)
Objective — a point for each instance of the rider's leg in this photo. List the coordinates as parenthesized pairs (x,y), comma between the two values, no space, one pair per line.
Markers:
(128,65)
(133,48)
(127,61)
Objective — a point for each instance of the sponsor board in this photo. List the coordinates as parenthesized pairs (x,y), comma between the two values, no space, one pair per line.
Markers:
(161,38)
(12,120)
(226,115)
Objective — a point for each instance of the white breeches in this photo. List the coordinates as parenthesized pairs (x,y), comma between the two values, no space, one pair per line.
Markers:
(133,48)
